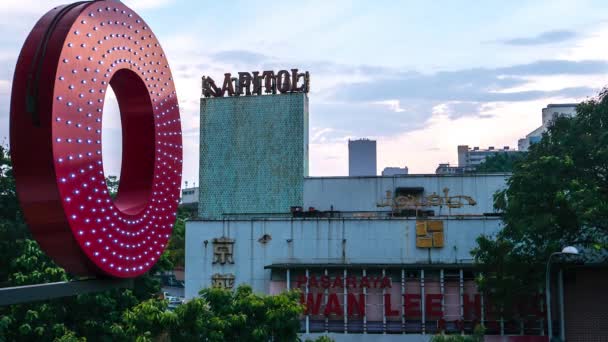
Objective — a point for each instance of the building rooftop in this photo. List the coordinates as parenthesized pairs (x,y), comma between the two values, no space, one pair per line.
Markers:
(420,175)
(287,217)
(555,105)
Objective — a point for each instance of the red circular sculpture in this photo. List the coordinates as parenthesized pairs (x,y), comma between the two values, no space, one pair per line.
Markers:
(66,64)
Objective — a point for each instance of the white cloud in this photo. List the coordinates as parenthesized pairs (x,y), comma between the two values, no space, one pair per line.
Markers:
(5,86)
(422,150)
(8,7)
(329,159)
(557,82)
(393,105)
(590,47)
(318,135)
(147,4)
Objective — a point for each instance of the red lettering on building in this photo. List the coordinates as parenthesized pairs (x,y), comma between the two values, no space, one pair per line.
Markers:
(301,280)
(412,305)
(312,282)
(319,302)
(386,282)
(433,306)
(353,304)
(364,282)
(325,281)
(338,282)
(351,281)
(312,306)
(354,282)
(377,281)
(333,306)
(388,310)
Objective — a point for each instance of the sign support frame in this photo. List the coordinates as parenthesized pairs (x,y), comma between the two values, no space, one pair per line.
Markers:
(40,292)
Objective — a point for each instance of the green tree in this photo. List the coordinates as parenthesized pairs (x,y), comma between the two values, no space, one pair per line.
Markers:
(240,315)
(477,336)
(501,162)
(112,183)
(176,248)
(321,339)
(217,315)
(147,321)
(557,196)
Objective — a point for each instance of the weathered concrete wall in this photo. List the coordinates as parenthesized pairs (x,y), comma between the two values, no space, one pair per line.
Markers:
(253,153)
(364,193)
(321,241)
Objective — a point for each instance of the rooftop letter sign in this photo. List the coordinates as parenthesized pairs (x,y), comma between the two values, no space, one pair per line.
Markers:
(256,83)
(69,59)
(433,200)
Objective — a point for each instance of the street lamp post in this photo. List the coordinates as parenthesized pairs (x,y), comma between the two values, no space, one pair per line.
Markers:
(566,250)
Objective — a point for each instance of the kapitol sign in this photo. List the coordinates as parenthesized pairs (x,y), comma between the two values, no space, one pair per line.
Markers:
(65,67)
(258,83)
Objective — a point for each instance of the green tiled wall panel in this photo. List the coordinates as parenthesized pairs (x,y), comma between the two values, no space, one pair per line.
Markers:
(253,154)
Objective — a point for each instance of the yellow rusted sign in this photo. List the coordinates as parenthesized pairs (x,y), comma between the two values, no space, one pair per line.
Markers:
(429,234)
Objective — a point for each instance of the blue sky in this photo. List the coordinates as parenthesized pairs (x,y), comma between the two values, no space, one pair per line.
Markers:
(420,77)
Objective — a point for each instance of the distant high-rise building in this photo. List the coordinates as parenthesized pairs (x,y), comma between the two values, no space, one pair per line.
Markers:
(395,171)
(472,157)
(549,113)
(361,157)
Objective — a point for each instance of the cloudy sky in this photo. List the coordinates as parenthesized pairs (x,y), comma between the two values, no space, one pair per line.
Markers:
(419,77)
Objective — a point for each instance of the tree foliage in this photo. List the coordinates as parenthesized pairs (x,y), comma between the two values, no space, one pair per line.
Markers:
(112,183)
(477,336)
(176,247)
(217,315)
(501,162)
(252,317)
(557,196)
